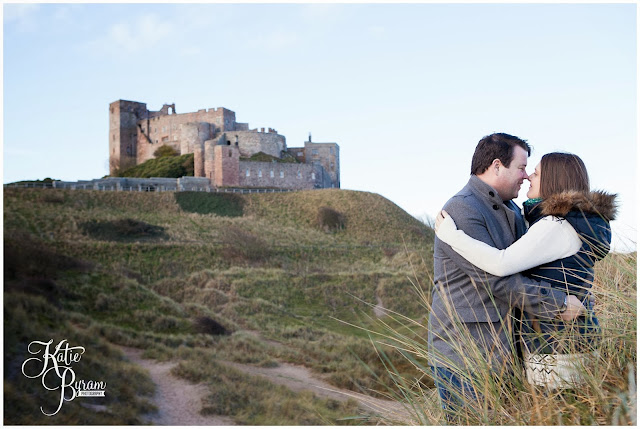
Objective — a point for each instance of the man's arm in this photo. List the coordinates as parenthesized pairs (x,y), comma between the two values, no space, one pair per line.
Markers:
(536,297)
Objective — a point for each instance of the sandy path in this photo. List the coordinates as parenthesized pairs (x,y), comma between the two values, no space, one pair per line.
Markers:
(379,309)
(178,401)
(299,378)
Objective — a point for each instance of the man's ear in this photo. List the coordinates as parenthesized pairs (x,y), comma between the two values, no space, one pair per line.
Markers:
(496,165)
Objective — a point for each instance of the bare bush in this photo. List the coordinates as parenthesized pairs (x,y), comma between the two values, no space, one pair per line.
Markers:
(330,219)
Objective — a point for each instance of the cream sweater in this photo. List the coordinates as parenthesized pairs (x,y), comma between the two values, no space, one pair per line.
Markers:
(548,239)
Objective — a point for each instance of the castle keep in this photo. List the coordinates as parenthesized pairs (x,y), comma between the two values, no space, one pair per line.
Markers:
(221,147)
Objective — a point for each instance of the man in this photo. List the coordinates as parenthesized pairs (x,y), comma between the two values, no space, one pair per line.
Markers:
(470,327)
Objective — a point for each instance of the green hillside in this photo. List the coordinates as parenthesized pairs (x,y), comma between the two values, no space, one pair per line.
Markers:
(204,279)
(163,166)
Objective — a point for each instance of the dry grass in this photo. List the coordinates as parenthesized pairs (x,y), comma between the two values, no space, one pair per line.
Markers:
(608,396)
(271,278)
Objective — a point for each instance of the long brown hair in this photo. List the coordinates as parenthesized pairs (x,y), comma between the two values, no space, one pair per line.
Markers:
(562,172)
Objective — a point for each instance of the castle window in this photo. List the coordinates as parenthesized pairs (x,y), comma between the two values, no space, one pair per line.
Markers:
(313,176)
(314,152)
(282,174)
(248,172)
(114,137)
(299,175)
(259,173)
(229,154)
(271,173)
(175,138)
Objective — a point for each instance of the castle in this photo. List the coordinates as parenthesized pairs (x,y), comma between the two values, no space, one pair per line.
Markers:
(222,148)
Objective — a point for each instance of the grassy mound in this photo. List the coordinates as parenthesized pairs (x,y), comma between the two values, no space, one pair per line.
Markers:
(362,216)
(164,166)
(199,277)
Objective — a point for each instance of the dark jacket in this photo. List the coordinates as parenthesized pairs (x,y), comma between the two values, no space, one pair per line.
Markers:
(589,214)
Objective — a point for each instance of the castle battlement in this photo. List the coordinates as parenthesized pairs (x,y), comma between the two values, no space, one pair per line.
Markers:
(135,133)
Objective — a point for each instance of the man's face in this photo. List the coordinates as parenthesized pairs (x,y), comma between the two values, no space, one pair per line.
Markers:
(510,179)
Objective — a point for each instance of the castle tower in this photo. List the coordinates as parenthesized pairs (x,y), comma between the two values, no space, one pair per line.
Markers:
(327,155)
(226,170)
(123,133)
(194,134)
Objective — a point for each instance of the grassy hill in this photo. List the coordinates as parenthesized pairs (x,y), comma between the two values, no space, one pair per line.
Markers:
(163,166)
(212,280)
(203,279)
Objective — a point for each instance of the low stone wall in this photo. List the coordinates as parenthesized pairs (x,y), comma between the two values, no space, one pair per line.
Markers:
(128,184)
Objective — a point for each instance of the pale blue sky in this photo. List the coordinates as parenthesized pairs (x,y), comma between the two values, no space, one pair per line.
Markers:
(405,90)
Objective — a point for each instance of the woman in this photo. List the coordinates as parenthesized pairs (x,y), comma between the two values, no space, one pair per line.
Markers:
(568,232)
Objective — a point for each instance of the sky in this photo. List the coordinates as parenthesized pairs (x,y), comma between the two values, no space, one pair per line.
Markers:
(406,90)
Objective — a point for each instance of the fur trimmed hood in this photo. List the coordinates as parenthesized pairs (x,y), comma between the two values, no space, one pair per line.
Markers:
(595,202)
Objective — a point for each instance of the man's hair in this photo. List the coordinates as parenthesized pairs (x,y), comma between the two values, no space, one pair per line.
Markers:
(496,146)
(560,172)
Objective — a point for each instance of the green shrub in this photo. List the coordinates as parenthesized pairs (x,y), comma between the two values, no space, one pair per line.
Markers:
(330,219)
(165,166)
(264,157)
(206,325)
(229,205)
(121,230)
(165,150)
(244,246)
(24,255)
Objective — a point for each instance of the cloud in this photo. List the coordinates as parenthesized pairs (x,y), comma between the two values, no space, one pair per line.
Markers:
(274,41)
(141,34)
(320,11)
(22,15)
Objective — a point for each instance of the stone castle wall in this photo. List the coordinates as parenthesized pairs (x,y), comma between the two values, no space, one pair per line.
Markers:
(217,141)
(279,175)
(251,142)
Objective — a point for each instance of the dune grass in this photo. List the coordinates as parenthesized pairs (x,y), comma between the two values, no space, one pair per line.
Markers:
(607,397)
(254,279)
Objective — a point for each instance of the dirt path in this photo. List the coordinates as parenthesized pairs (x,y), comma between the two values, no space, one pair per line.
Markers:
(178,401)
(299,378)
(379,309)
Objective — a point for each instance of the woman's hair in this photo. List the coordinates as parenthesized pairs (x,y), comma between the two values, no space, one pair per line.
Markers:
(560,172)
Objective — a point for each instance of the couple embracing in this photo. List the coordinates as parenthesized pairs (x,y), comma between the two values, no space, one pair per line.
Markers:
(512,288)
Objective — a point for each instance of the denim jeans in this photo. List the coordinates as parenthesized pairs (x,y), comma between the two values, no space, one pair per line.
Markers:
(453,389)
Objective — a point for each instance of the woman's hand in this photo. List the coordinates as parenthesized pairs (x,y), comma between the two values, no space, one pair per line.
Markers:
(441,217)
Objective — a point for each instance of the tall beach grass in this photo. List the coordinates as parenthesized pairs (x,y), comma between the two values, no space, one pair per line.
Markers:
(607,395)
